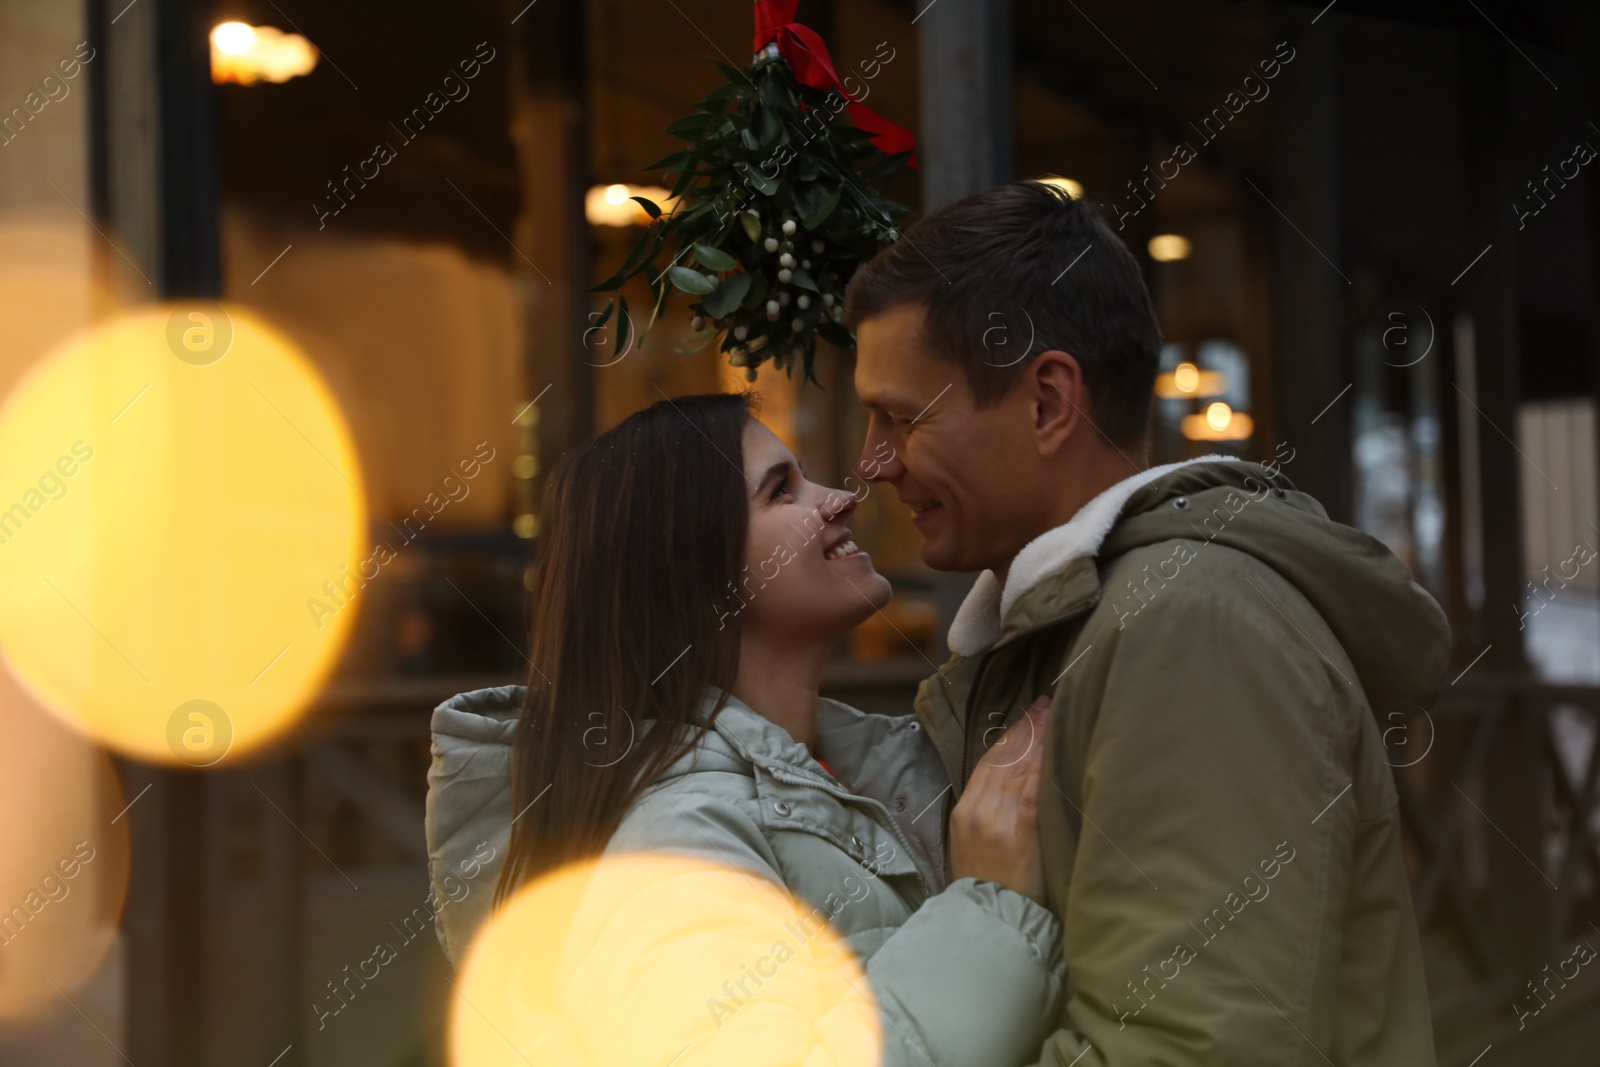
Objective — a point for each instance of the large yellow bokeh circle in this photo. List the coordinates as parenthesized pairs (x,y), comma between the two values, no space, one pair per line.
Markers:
(657,959)
(164,520)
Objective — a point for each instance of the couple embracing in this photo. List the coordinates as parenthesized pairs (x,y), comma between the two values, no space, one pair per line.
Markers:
(1142,815)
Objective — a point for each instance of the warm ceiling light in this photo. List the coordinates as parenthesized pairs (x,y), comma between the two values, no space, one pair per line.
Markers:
(233,38)
(1073,188)
(1187,381)
(1166,247)
(247,54)
(1219,423)
(613,205)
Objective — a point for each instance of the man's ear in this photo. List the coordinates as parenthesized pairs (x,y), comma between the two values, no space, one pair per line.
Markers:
(1060,401)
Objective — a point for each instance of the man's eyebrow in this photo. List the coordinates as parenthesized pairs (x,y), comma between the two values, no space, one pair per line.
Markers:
(891,405)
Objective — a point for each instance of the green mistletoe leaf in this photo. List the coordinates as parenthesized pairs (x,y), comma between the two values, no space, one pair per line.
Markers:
(714,258)
(826,208)
(690,281)
(727,296)
(802,279)
(690,126)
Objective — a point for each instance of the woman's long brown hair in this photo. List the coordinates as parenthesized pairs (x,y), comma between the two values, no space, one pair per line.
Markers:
(642,534)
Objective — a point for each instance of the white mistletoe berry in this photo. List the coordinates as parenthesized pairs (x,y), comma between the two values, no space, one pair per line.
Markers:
(827,300)
(786,260)
(772,309)
(788,226)
(785,275)
(803,301)
(770,244)
(741,332)
(797,325)
(783,299)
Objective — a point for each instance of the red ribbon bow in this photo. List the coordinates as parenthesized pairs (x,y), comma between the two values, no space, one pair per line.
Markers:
(808,57)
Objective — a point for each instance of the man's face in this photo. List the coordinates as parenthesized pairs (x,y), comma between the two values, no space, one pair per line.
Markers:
(969,476)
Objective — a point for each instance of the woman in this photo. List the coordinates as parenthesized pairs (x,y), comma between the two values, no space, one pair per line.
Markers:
(691,585)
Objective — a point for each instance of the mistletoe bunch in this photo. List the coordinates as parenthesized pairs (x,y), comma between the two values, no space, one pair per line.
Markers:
(775,207)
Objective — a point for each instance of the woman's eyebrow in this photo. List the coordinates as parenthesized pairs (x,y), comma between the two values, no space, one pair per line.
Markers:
(776,470)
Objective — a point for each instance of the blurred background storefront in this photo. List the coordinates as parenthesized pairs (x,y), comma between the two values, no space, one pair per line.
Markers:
(1370,229)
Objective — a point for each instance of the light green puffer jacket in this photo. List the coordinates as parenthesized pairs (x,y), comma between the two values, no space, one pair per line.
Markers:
(964,973)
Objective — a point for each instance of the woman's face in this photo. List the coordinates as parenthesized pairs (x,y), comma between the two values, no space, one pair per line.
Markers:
(804,576)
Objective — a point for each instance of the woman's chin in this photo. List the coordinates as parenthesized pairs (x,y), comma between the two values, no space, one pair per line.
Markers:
(871,594)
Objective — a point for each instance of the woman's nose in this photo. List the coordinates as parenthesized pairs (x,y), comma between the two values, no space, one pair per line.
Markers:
(835,503)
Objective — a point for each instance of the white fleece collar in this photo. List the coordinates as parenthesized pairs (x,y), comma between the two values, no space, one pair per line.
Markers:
(978,623)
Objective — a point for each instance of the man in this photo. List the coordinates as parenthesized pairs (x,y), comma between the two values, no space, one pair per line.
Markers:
(1219,825)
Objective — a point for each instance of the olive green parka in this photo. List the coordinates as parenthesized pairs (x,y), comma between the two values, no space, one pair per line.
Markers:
(1219,821)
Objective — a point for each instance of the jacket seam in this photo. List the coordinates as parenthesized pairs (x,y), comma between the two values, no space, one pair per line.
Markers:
(1318,915)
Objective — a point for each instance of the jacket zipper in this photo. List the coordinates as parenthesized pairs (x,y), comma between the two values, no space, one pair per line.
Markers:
(966,729)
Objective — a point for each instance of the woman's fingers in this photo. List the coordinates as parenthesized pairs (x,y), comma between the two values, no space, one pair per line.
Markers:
(1021,737)
(994,831)
(1028,797)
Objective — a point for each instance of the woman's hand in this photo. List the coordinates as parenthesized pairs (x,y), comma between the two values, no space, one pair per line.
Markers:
(994,827)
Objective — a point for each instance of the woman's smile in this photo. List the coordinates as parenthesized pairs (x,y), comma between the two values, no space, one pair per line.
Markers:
(843,549)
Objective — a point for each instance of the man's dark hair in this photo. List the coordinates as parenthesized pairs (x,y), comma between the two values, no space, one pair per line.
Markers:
(1019,262)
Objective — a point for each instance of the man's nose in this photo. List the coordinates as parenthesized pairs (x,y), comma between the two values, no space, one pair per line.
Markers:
(878,459)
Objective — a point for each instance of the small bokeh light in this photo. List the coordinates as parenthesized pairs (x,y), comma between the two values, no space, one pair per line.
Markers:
(246,54)
(1188,382)
(1218,422)
(613,205)
(1169,247)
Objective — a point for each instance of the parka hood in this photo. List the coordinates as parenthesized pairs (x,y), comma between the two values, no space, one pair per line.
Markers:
(1394,633)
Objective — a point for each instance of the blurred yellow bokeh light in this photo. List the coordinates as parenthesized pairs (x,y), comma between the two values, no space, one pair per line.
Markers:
(646,958)
(174,486)
(64,868)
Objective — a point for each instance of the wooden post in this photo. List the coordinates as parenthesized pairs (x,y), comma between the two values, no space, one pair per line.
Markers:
(549,127)
(1519,891)
(1301,207)
(158,188)
(966,142)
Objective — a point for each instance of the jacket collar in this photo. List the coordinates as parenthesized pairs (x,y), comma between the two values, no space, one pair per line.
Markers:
(980,619)
(855,743)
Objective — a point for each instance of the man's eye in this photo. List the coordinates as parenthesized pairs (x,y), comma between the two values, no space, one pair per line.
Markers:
(781,488)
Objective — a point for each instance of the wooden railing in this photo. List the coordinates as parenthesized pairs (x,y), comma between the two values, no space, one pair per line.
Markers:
(1499,788)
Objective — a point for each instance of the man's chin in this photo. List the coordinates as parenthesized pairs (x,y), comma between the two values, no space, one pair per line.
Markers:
(940,556)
